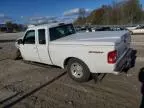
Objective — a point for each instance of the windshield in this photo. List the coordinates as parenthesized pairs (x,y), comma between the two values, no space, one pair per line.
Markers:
(61,31)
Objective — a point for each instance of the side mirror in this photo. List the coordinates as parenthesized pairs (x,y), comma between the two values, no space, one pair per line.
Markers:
(20,41)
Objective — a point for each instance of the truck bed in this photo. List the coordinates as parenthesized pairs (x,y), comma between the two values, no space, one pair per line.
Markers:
(93,38)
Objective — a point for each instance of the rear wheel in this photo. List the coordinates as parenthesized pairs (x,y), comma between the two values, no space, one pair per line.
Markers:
(78,70)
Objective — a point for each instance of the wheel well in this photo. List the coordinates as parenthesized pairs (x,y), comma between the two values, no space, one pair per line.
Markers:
(66,61)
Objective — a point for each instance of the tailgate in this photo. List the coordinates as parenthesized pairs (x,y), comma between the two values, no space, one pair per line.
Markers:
(123,45)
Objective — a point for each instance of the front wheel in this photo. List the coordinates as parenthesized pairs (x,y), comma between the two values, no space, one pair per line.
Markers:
(16,54)
(78,70)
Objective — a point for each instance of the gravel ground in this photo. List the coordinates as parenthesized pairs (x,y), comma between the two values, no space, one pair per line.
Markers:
(10,36)
(30,85)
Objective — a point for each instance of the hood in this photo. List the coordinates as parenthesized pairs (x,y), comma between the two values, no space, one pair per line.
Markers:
(92,38)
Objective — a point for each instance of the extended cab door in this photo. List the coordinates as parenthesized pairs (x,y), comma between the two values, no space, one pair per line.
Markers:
(43,45)
(28,48)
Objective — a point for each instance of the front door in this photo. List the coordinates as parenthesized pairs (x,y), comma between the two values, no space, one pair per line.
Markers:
(28,49)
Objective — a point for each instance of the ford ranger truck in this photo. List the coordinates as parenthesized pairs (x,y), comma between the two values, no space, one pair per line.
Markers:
(81,54)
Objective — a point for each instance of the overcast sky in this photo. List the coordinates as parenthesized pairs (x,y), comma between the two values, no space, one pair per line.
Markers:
(21,9)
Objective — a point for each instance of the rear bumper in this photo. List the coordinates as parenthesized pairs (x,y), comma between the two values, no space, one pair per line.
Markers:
(124,61)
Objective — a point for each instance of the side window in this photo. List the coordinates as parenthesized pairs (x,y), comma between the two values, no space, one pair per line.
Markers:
(53,34)
(56,33)
(29,37)
(41,36)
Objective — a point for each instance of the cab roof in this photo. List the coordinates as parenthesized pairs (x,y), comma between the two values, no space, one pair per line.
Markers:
(47,25)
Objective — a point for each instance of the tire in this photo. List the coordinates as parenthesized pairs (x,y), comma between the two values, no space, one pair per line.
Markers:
(16,55)
(78,70)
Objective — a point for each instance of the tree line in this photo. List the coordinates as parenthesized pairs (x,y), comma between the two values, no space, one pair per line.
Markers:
(12,27)
(119,13)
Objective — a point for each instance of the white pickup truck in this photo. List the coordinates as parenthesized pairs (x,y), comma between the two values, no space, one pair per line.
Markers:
(80,53)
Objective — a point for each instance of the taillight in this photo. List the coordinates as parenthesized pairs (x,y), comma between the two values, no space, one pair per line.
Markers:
(112,57)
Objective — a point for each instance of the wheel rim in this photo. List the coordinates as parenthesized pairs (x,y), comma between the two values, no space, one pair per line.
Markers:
(76,70)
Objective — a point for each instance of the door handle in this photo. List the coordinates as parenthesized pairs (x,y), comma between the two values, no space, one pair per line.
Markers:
(34,48)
